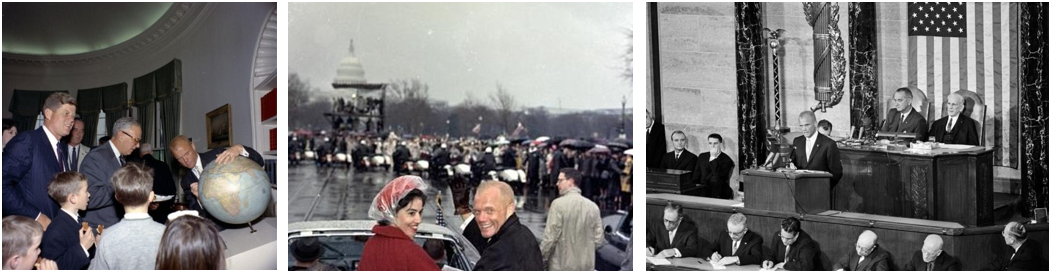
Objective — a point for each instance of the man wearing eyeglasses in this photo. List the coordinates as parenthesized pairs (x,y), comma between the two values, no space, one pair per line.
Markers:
(677,238)
(955,128)
(185,152)
(932,258)
(100,164)
(738,245)
(574,229)
(868,255)
(796,251)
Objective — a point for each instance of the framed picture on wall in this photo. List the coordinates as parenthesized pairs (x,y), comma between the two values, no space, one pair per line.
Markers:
(218,127)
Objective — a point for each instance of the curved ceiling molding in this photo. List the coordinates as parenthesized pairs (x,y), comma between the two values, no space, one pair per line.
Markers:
(179,18)
(265,66)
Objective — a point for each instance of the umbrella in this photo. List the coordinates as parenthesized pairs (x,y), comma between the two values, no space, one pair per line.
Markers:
(630,152)
(600,149)
(576,144)
(613,144)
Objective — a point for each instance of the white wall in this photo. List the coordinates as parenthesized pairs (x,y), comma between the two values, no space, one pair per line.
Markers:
(216,56)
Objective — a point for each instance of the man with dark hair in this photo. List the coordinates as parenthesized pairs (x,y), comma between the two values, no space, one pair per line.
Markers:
(825,127)
(679,158)
(795,251)
(32,158)
(713,169)
(903,118)
(307,251)
(656,146)
(677,238)
(574,229)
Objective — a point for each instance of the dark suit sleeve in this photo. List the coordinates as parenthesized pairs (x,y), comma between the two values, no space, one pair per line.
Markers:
(922,130)
(842,263)
(652,235)
(953,264)
(253,155)
(882,262)
(773,252)
(691,245)
(835,167)
(804,260)
(98,183)
(63,248)
(724,169)
(754,253)
(17,161)
(888,119)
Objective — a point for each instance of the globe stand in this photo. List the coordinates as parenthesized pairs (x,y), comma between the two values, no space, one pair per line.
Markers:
(250,228)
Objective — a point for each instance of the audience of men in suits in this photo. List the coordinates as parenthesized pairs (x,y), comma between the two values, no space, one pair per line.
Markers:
(679,158)
(737,246)
(713,169)
(931,257)
(678,237)
(868,255)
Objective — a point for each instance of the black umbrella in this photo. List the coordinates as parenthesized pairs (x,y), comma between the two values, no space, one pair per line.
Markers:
(577,144)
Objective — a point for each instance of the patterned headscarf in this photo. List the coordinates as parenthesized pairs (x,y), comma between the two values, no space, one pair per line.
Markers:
(385,204)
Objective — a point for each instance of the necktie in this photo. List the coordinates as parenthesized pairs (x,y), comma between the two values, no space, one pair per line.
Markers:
(786,254)
(860,258)
(931,266)
(121,159)
(73,163)
(949,125)
(58,156)
(735,248)
(677,156)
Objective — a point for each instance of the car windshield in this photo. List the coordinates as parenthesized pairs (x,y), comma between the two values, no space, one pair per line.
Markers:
(345,251)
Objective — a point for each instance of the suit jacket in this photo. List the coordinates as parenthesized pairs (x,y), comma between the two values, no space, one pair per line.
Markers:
(944,262)
(686,161)
(825,156)
(100,165)
(656,145)
(686,238)
(82,152)
(716,174)
(963,132)
(207,158)
(61,243)
(163,184)
(1027,258)
(803,254)
(750,249)
(878,260)
(514,247)
(914,123)
(29,164)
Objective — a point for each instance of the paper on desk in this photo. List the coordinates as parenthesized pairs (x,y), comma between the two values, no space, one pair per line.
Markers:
(718,266)
(658,261)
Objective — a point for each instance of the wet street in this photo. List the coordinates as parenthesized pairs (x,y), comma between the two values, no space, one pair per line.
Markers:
(344,194)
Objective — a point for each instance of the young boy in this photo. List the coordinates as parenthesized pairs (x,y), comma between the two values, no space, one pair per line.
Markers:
(22,244)
(132,242)
(66,240)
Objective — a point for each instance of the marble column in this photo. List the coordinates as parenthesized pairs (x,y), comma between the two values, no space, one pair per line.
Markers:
(1033,34)
(864,92)
(751,74)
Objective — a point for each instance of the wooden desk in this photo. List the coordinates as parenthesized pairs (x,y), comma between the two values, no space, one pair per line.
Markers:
(955,186)
(691,263)
(800,192)
(671,181)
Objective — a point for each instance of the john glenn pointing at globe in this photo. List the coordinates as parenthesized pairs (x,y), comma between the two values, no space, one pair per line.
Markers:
(227,160)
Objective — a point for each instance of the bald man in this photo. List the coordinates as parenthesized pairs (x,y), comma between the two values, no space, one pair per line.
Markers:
(185,152)
(868,255)
(955,128)
(509,244)
(1019,253)
(813,151)
(932,258)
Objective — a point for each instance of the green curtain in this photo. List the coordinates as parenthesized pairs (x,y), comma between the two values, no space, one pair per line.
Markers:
(143,98)
(26,105)
(169,87)
(89,103)
(114,104)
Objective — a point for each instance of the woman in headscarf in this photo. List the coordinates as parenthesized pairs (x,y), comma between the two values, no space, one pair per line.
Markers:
(397,210)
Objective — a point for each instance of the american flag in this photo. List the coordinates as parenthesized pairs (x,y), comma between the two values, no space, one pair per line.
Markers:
(969,46)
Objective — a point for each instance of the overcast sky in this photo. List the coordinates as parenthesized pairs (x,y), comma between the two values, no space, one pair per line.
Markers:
(544,53)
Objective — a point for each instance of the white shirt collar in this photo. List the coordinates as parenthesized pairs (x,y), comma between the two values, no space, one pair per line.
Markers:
(51,138)
(71,214)
(136,216)
(907,111)
(813,138)
(116,153)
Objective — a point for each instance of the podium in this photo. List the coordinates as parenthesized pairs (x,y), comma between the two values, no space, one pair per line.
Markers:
(800,192)
(673,181)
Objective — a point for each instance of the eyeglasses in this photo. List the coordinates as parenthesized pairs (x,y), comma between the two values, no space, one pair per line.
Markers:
(739,233)
(130,136)
(667,221)
(859,247)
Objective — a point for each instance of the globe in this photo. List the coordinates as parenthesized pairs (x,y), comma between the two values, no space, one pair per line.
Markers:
(236,192)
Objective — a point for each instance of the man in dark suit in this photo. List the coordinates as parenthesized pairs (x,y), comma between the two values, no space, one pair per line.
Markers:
(814,151)
(677,238)
(903,118)
(868,255)
(99,166)
(163,183)
(713,169)
(679,158)
(737,246)
(932,258)
(75,147)
(795,251)
(656,146)
(1020,254)
(955,128)
(186,153)
(32,158)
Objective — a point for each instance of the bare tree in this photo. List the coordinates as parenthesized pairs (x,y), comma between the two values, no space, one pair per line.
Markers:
(408,107)
(626,58)
(504,104)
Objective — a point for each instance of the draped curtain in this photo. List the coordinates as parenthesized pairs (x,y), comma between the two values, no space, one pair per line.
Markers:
(864,92)
(89,104)
(114,104)
(1033,65)
(143,97)
(751,73)
(26,105)
(168,89)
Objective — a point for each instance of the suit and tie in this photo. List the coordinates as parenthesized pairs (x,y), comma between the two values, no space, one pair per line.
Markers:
(749,250)
(685,239)
(99,166)
(30,161)
(1027,258)
(656,145)
(685,161)
(76,155)
(944,262)
(803,253)
(878,260)
(963,131)
(191,176)
(61,243)
(825,156)
(912,123)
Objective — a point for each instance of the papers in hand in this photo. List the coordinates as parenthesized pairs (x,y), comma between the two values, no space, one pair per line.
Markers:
(716,265)
(658,261)
(162,198)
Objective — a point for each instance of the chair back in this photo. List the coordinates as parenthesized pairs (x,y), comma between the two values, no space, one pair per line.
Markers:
(975,108)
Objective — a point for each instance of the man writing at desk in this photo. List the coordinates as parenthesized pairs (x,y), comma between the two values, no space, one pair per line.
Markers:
(738,245)
(677,238)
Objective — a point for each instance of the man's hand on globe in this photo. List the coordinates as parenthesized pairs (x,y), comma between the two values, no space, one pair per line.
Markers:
(193,188)
(229,154)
